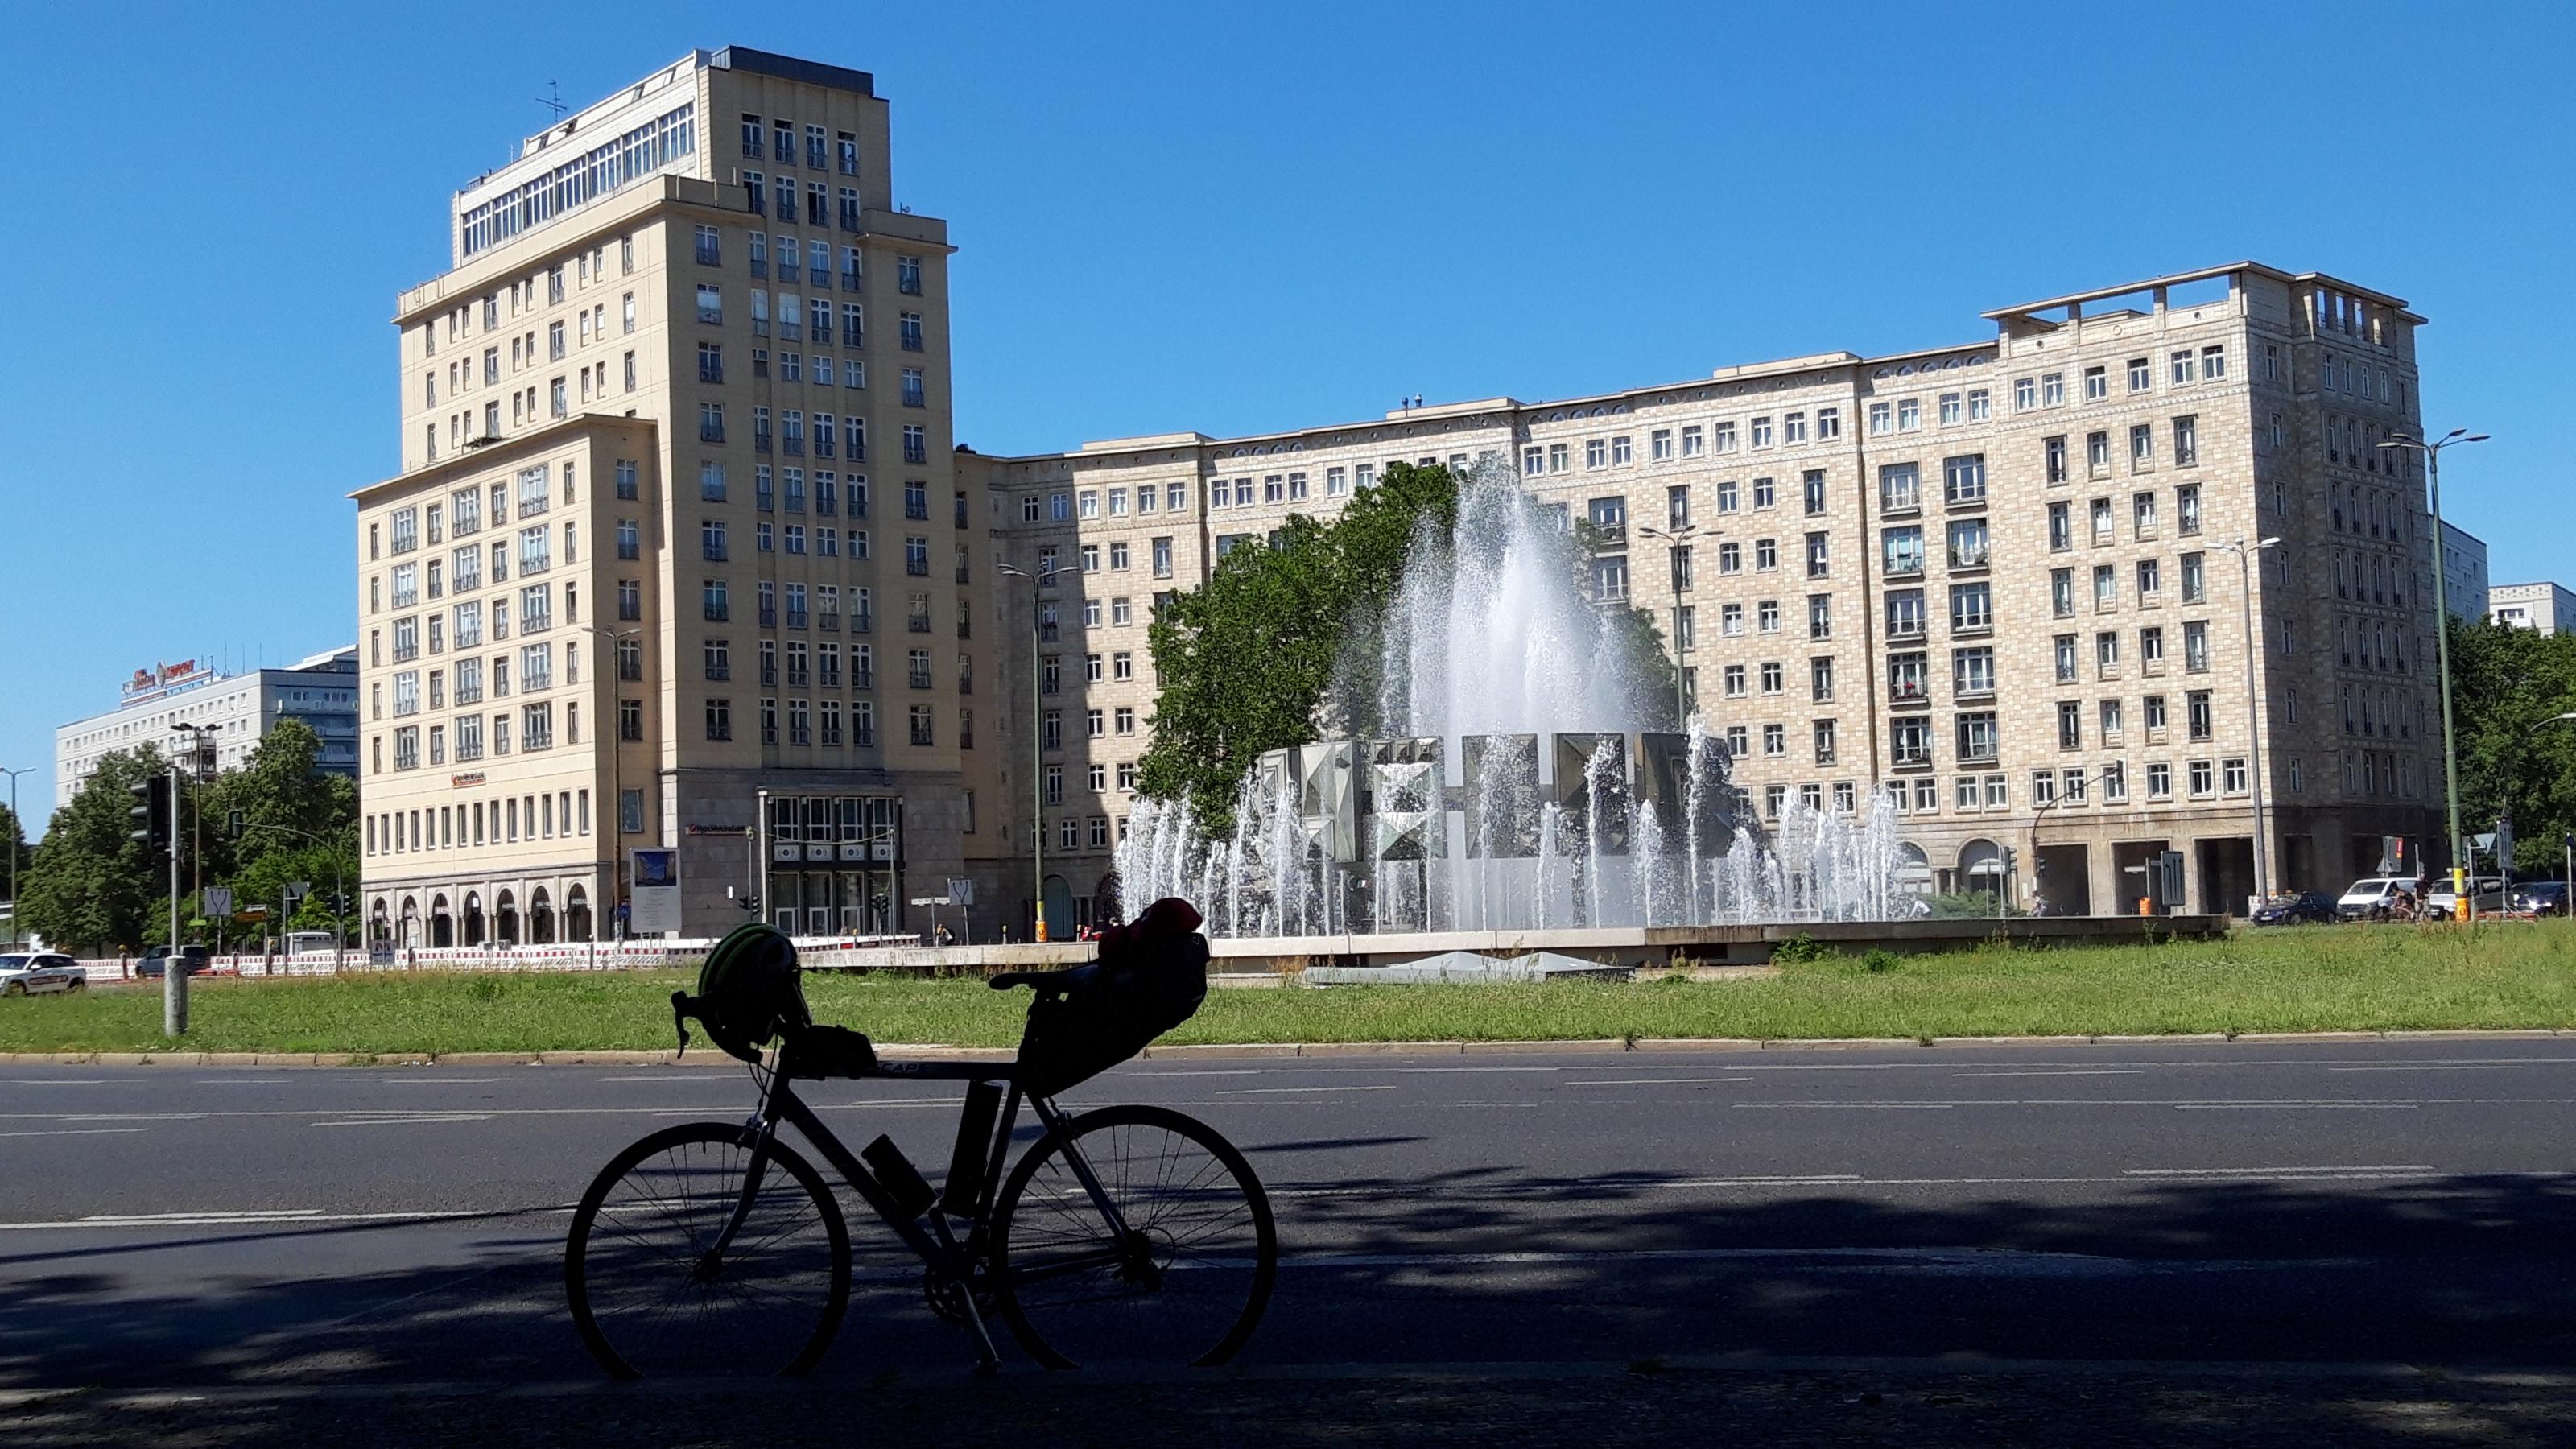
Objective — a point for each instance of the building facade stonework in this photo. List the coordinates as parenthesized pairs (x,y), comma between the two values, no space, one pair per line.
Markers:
(682,556)
(677,557)
(1998,582)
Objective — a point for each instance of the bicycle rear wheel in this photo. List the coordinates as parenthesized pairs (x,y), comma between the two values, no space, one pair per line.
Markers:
(645,1297)
(1185,1284)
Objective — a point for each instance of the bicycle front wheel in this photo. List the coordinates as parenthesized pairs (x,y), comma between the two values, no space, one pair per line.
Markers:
(650,1296)
(1186,1280)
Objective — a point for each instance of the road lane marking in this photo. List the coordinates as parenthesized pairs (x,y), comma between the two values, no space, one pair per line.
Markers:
(74,1132)
(2276,1171)
(1653,1081)
(1265,1091)
(2438,1068)
(252,1219)
(406,1119)
(1425,1071)
(2063,1072)
(418,1081)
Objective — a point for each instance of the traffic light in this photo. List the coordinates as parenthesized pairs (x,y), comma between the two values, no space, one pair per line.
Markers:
(151,812)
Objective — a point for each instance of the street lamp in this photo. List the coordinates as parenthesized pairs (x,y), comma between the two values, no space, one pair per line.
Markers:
(17,829)
(1037,749)
(2432,452)
(616,785)
(2253,718)
(1681,693)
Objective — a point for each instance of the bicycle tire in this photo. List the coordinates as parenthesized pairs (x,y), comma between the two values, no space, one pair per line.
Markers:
(636,1298)
(1071,1295)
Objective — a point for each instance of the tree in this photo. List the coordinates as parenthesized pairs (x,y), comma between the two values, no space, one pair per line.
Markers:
(2508,687)
(1246,659)
(1249,661)
(88,886)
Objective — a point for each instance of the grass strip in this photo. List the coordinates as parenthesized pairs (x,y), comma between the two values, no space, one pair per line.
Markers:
(2297,979)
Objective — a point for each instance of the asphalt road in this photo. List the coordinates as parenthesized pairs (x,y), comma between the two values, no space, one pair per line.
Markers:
(2301,1207)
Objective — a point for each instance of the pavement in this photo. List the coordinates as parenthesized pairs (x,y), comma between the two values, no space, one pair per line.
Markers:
(2360,1240)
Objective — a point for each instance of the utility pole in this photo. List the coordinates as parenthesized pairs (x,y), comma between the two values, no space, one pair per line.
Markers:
(2256,759)
(1037,750)
(17,830)
(2432,452)
(174,968)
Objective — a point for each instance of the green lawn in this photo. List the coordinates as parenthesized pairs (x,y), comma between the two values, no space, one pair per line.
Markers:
(2300,979)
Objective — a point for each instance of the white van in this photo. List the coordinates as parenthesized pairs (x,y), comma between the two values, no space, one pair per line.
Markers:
(304,943)
(2371,897)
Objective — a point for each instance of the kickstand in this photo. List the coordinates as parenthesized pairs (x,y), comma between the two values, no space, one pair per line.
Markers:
(990,1365)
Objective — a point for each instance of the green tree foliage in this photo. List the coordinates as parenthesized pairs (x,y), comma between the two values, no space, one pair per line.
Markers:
(2508,686)
(1248,662)
(89,887)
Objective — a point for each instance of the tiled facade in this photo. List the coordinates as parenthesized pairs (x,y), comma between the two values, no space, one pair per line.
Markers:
(679,417)
(1991,579)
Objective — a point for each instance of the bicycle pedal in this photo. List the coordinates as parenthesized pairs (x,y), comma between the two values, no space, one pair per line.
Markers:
(902,1181)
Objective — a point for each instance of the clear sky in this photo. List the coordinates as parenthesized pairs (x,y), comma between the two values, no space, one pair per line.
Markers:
(1227,218)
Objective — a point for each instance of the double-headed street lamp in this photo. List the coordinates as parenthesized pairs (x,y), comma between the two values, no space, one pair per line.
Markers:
(17,829)
(2253,717)
(1678,537)
(1037,747)
(2432,452)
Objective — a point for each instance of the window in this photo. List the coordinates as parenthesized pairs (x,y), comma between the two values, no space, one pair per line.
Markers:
(1972,671)
(2106,654)
(2142,448)
(2195,647)
(1968,543)
(1819,560)
(719,718)
(2197,718)
(2066,660)
(2025,394)
(1905,614)
(1728,498)
(2141,375)
(2186,442)
(1902,549)
(2061,528)
(2106,588)
(2195,579)
(2054,458)
(1775,741)
(2150,583)
(1812,484)
(2203,781)
(1766,554)
(2232,775)
(2187,508)
(1820,679)
(1906,676)
(1971,607)
(1977,736)
(2097,384)
(2097,454)
(1764,494)
(2105,525)
(1900,488)
(1820,616)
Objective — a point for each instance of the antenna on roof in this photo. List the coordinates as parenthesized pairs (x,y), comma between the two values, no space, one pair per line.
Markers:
(553,100)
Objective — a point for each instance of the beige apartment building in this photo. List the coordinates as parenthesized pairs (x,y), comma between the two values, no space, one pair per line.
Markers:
(677,557)
(1998,581)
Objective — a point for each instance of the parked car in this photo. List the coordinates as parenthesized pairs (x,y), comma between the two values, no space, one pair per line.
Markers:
(2371,897)
(30,973)
(2542,898)
(2487,892)
(198,960)
(2291,907)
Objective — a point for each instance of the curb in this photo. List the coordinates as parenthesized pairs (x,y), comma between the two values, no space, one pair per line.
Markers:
(1191,1051)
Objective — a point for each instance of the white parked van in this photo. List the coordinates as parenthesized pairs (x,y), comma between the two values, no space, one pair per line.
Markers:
(2371,897)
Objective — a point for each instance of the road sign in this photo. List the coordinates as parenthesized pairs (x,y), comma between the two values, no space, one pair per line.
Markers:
(961,890)
(217,900)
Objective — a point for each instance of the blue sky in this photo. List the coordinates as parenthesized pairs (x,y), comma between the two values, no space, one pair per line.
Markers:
(1226,218)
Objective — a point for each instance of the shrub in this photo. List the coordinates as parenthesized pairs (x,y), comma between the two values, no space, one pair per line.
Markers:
(1800,947)
(1878,959)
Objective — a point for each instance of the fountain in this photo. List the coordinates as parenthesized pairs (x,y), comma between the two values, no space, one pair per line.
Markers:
(1497,771)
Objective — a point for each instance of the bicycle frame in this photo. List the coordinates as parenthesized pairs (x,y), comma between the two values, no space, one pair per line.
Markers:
(951,1263)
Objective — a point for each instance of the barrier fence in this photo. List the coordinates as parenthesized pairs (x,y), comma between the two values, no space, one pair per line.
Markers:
(633,955)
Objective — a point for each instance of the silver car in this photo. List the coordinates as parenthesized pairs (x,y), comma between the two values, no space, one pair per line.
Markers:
(26,974)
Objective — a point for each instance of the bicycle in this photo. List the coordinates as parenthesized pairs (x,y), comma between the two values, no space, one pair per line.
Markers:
(1124,1233)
